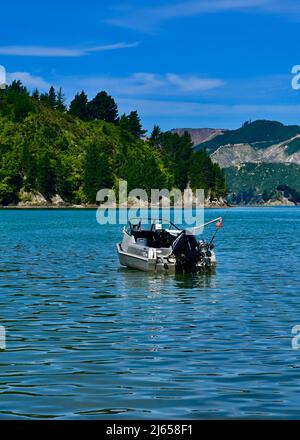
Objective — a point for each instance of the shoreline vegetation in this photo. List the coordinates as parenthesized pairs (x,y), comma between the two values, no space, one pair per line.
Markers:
(54,155)
(95,207)
(213,205)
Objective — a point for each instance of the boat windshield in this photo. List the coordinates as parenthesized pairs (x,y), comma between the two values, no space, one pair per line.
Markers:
(148,224)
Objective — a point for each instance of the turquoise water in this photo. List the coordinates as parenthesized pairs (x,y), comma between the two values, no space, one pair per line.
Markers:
(88,339)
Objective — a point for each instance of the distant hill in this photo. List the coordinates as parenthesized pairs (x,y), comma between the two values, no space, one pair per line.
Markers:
(258,134)
(199,135)
(258,158)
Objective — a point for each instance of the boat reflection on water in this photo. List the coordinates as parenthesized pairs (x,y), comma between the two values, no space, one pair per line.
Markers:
(196,280)
(160,283)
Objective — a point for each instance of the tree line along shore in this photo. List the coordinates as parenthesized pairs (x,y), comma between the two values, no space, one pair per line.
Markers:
(58,155)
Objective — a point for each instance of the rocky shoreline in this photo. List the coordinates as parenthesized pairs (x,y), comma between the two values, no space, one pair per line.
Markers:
(90,206)
(37,201)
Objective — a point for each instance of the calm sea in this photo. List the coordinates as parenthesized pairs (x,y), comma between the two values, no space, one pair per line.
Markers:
(88,339)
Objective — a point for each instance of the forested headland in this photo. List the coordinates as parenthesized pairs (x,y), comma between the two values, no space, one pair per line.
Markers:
(53,150)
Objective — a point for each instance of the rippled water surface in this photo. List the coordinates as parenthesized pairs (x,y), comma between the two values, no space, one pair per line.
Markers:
(88,339)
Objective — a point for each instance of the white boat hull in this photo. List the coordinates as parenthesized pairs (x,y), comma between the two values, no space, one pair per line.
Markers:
(143,263)
(152,265)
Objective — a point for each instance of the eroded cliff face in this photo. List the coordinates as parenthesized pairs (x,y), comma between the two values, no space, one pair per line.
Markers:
(234,155)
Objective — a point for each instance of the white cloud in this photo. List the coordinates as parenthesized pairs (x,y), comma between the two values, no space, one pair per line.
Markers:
(161,108)
(170,114)
(146,84)
(145,19)
(136,86)
(193,83)
(148,19)
(43,51)
(30,81)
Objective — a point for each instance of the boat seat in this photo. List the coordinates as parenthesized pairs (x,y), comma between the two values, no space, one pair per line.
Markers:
(151,238)
(142,234)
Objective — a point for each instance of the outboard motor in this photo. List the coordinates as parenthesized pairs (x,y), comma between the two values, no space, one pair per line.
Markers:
(189,253)
(192,255)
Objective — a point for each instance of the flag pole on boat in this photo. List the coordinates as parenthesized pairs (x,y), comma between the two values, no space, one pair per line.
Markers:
(198,229)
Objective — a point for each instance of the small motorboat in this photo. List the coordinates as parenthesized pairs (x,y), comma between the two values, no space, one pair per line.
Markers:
(157,245)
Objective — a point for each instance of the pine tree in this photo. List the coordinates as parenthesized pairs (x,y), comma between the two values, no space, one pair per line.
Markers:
(44,98)
(79,106)
(17,87)
(60,101)
(36,95)
(132,124)
(52,97)
(135,124)
(124,123)
(103,107)
(155,137)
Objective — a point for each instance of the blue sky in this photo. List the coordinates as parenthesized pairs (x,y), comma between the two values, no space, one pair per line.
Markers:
(185,63)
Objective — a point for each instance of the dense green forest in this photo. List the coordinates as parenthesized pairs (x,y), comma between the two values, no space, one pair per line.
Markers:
(48,149)
(260,182)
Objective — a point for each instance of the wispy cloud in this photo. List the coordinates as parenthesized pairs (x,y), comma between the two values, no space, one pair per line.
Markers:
(192,114)
(29,80)
(148,19)
(186,108)
(147,84)
(192,83)
(43,51)
(145,19)
(135,86)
